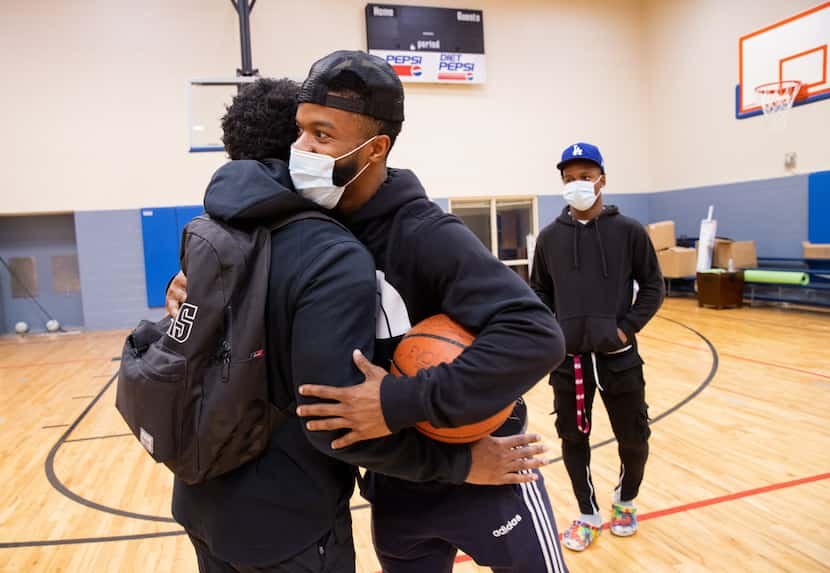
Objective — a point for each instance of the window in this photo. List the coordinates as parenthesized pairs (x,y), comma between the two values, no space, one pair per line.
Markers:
(503,225)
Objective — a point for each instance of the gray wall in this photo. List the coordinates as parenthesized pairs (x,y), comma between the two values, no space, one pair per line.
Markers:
(112,269)
(773,212)
(40,236)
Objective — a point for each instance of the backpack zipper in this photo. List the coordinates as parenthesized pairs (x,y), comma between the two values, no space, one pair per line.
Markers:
(226,344)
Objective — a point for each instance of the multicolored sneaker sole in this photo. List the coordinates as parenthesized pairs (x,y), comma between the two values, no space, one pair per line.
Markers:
(623,520)
(580,535)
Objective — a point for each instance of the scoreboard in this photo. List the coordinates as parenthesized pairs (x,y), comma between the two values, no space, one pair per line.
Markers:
(428,45)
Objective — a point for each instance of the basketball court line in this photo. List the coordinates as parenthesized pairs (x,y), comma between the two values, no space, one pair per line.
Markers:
(97,438)
(789,326)
(739,357)
(58,486)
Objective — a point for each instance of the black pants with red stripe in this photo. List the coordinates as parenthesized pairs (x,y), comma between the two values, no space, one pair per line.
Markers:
(621,377)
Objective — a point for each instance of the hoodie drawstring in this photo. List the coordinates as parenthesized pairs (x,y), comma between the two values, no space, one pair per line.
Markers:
(601,249)
(599,241)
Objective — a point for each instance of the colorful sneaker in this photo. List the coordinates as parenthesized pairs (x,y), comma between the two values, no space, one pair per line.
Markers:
(580,535)
(623,520)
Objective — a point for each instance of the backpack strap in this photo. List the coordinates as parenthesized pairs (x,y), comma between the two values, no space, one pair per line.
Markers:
(302,216)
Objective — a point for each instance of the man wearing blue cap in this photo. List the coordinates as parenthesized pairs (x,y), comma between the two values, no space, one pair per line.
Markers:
(584,268)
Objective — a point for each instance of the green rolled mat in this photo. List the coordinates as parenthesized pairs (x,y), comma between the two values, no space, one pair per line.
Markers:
(777,277)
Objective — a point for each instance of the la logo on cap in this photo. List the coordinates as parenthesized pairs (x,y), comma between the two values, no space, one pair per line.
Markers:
(576,150)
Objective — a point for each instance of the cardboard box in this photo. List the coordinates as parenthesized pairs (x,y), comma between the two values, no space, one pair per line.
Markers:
(677,262)
(662,234)
(816,250)
(742,254)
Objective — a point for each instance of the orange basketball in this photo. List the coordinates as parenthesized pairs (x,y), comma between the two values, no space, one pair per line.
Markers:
(436,340)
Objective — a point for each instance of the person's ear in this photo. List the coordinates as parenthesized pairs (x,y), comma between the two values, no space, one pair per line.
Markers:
(379,147)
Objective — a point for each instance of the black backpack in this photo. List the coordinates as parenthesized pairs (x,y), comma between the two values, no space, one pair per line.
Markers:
(194,390)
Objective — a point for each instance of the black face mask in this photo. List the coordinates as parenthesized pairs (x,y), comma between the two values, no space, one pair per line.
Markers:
(344,171)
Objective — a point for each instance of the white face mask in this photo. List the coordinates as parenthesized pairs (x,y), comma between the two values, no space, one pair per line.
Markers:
(580,194)
(313,175)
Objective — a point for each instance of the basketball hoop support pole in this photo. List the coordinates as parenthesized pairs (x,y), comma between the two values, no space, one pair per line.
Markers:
(243,9)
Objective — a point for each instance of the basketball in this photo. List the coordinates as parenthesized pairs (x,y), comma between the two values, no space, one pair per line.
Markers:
(437,340)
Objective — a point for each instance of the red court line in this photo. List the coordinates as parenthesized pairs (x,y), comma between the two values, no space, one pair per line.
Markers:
(738,357)
(732,496)
(706,502)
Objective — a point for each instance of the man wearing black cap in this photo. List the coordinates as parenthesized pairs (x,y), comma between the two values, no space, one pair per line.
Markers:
(584,268)
(288,510)
(350,112)
(428,262)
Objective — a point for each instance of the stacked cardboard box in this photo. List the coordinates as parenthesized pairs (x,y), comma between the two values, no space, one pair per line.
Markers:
(742,254)
(816,250)
(675,262)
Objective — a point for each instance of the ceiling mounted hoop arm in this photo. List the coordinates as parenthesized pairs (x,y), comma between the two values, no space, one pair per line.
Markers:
(243,9)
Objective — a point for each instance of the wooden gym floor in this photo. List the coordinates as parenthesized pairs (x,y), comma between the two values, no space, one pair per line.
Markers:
(738,479)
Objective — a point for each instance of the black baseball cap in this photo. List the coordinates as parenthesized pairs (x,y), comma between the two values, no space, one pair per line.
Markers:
(384,99)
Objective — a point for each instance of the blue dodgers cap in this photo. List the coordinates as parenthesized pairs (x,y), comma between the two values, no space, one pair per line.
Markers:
(584,151)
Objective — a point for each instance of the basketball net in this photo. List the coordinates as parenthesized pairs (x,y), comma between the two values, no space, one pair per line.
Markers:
(776,99)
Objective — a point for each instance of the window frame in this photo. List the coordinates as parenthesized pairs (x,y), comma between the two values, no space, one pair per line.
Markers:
(494,231)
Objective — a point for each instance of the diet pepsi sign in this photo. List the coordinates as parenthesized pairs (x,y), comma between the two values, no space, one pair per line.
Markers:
(428,45)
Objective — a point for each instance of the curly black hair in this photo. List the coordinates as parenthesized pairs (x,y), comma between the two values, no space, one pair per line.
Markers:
(261,123)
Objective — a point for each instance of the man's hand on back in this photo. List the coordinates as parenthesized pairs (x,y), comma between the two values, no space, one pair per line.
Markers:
(176,294)
(357,407)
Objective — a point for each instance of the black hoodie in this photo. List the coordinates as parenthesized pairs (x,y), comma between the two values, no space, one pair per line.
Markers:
(584,273)
(432,263)
(321,305)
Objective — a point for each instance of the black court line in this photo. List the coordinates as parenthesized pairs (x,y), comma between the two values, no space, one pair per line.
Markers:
(97,438)
(66,492)
(54,426)
(56,483)
(700,388)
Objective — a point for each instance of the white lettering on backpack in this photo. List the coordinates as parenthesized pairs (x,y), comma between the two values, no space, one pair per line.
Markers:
(183,323)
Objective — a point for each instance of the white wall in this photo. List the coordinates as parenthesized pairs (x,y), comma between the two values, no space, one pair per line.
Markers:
(93,101)
(95,114)
(693,134)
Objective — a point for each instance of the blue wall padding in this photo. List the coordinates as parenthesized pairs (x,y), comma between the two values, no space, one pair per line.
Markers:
(818,198)
(161,229)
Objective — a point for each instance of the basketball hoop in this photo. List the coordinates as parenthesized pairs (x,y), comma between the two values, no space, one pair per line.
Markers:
(777,96)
